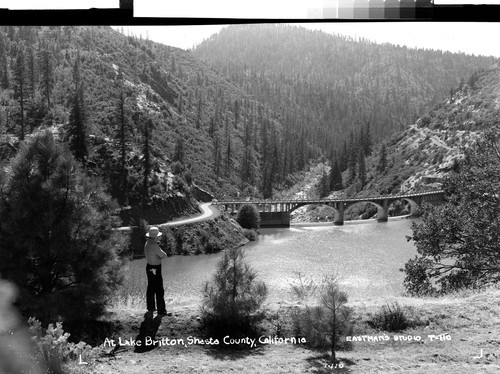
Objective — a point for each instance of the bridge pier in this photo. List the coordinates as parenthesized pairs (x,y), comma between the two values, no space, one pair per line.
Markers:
(274,219)
(338,219)
(383,211)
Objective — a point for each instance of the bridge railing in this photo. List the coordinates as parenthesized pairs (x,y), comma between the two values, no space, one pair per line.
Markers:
(319,201)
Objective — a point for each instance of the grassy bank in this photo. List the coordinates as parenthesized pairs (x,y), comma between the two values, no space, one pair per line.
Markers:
(457,334)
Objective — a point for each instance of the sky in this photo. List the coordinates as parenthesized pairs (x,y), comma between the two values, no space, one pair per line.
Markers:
(472,38)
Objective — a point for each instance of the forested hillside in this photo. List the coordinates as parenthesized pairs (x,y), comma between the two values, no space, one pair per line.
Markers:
(329,88)
(416,159)
(148,118)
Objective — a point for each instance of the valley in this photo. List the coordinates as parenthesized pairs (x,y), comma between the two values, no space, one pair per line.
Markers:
(104,134)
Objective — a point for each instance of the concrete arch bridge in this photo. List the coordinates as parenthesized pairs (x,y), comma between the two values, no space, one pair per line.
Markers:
(276,213)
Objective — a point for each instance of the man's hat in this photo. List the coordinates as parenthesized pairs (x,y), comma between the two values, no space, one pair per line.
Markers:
(153,232)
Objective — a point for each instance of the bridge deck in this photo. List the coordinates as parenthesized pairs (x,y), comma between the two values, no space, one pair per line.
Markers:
(322,201)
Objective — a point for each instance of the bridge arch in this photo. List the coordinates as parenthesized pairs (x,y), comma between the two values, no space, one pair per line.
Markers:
(414,208)
(382,211)
(338,208)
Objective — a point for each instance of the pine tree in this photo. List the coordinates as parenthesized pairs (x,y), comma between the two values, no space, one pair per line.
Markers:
(323,186)
(4,66)
(264,139)
(228,147)
(335,177)
(199,112)
(20,82)
(275,165)
(69,252)
(77,130)
(236,112)
(234,296)
(217,156)
(247,144)
(325,324)
(122,133)
(172,65)
(147,128)
(179,150)
(382,161)
(361,167)
(367,140)
(352,160)
(344,156)
(271,169)
(31,75)
(190,99)
(46,68)
(179,104)
(211,129)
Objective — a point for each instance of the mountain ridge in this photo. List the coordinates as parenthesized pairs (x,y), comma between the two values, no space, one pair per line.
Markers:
(352,82)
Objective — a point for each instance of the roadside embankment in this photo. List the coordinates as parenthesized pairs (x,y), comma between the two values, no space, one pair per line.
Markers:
(209,235)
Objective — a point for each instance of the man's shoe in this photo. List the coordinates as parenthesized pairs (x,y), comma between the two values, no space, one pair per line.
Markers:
(164,313)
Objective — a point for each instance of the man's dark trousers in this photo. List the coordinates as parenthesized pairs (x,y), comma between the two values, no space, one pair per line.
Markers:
(155,288)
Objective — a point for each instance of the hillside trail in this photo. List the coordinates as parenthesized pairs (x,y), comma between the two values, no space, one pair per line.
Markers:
(434,139)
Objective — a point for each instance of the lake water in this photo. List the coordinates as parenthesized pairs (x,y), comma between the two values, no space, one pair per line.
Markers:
(366,255)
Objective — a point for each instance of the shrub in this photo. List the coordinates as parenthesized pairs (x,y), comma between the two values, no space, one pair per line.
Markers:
(390,318)
(53,349)
(248,217)
(188,177)
(168,242)
(303,287)
(177,168)
(179,237)
(250,234)
(213,245)
(280,319)
(180,185)
(232,300)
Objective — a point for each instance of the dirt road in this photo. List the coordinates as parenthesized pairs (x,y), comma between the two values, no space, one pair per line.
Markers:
(208,212)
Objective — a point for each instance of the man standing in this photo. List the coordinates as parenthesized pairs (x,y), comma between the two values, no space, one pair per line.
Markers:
(154,254)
